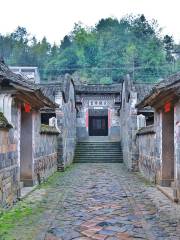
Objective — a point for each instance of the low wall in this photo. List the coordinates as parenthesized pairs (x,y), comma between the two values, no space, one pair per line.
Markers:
(145,140)
(9,170)
(45,151)
(67,139)
(9,161)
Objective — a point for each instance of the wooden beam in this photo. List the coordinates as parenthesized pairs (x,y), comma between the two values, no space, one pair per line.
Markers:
(164,98)
(29,99)
(21,88)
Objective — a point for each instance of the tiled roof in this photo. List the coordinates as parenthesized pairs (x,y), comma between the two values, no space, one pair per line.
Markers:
(143,89)
(98,88)
(7,74)
(62,83)
(171,83)
(24,86)
(171,80)
(50,89)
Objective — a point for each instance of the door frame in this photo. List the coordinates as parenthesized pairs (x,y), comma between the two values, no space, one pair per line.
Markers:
(168,148)
(26,148)
(91,118)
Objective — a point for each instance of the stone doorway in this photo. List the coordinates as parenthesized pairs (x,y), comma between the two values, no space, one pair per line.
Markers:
(26,153)
(168,148)
(98,126)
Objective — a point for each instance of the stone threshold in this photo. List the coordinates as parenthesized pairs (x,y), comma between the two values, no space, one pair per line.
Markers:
(25,191)
(168,192)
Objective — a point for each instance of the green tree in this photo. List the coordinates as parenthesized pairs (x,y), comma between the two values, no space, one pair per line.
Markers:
(100,54)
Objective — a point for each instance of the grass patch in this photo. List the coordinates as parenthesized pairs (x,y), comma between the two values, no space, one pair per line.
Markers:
(52,180)
(26,212)
(146,182)
(9,219)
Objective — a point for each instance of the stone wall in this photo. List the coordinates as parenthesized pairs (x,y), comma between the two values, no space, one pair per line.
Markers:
(145,141)
(81,123)
(66,120)
(177,147)
(128,120)
(158,144)
(44,151)
(114,124)
(9,162)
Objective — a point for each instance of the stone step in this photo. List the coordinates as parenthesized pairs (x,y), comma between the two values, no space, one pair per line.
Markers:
(99,159)
(107,158)
(95,156)
(101,152)
(98,145)
(98,155)
(94,146)
(101,148)
(95,161)
(81,158)
(98,152)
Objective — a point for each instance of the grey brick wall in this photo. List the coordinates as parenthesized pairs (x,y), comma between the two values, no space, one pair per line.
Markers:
(128,121)
(44,151)
(147,163)
(66,117)
(9,165)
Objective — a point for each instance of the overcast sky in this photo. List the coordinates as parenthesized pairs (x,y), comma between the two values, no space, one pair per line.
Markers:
(56,18)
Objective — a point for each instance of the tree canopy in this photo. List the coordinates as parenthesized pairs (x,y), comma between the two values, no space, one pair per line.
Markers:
(100,54)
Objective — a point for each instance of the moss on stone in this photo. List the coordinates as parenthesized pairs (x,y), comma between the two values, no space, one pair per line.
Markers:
(4,122)
(46,129)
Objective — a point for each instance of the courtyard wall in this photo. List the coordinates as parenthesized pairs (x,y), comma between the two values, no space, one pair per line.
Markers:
(145,141)
(44,149)
(9,159)
(128,121)
(66,121)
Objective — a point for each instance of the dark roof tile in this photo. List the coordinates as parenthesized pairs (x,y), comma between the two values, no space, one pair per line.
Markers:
(143,89)
(98,88)
(22,84)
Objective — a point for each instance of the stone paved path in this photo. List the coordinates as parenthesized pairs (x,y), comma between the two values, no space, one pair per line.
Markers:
(102,201)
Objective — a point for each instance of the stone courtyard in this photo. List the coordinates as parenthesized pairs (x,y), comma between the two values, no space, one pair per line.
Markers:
(93,201)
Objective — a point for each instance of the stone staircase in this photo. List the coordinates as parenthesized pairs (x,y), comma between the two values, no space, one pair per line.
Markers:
(98,152)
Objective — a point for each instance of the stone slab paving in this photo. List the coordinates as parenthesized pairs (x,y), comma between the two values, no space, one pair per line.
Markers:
(103,201)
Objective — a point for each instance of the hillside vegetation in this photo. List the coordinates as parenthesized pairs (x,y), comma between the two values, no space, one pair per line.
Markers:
(100,54)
